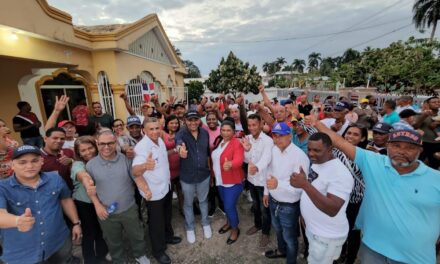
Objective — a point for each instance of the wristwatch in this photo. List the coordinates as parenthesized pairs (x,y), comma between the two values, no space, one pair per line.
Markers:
(77,223)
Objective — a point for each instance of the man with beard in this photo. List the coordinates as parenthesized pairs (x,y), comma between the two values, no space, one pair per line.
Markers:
(401,201)
(100,118)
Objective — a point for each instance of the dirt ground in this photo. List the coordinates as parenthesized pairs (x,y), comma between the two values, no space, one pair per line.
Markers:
(215,250)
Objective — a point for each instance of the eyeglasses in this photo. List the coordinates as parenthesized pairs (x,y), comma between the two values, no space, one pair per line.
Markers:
(107,144)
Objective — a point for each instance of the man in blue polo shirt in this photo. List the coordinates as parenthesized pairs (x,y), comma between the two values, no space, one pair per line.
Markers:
(31,213)
(400,212)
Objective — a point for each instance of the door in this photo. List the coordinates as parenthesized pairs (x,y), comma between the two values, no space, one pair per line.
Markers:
(76,93)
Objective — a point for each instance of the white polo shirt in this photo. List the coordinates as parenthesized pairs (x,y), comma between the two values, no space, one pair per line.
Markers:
(282,166)
(260,154)
(158,179)
(329,177)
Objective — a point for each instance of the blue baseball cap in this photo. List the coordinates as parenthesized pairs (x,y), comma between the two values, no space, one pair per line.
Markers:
(340,106)
(133,120)
(281,129)
(25,149)
(408,136)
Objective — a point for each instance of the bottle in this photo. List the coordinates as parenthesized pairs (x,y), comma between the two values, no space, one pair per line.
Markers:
(112,208)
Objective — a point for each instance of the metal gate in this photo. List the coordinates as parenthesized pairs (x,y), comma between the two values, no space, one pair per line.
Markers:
(106,94)
(135,90)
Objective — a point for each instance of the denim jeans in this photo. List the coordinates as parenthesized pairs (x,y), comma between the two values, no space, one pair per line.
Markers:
(230,196)
(323,250)
(261,213)
(285,218)
(189,191)
(368,255)
(33,141)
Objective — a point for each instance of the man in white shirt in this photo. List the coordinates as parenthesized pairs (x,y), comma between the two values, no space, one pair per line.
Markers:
(326,191)
(151,161)
(338,123)
(281,198)
(258,147)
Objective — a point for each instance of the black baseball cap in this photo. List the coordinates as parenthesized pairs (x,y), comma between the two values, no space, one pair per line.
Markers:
(192,114)
(25,149)
(382,128)
(407,113)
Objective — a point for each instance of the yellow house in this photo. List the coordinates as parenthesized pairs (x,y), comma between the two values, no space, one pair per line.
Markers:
(42,54)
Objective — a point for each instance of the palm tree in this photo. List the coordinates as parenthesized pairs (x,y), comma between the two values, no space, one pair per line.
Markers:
(280,61)
(299,65)
(265,66)
(426,13)
(314,60)
(350,55)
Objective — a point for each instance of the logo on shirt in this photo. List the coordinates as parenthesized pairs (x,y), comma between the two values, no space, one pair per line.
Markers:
(312,175)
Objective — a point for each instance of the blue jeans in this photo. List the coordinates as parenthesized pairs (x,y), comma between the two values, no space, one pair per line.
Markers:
(368,255)
(230,197)
(189,190)
(33,141)
(285,218)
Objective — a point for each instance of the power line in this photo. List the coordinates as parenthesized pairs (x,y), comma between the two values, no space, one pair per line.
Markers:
(355,25)
(297,37)
(378,37)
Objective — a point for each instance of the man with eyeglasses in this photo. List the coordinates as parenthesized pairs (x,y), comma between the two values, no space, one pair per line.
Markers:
(338,123)
(111,172)
(31,213)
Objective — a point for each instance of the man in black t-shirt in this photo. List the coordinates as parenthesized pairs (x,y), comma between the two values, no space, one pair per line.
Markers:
(100,118)
(27,123)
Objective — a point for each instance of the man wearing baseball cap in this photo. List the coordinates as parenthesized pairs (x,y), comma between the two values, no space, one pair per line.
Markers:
(281,198)
(366,116)
(69,127)
(31,212)
(401,200)
(338,123)
(380,138)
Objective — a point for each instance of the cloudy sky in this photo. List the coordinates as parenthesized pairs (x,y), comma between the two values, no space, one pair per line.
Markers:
(258,31)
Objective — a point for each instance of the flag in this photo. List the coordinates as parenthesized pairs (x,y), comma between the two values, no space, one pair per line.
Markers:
(146,97)
(151,86)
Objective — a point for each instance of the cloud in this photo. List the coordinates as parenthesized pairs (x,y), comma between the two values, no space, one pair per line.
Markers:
(206,30)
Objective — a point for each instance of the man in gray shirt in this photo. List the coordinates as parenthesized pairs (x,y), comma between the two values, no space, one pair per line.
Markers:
(111,172)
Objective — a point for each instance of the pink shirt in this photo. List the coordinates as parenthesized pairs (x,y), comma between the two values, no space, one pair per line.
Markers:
(213,134)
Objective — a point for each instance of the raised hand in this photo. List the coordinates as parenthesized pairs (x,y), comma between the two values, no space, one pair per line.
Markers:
(310,120)
(299,179)
(26,221)
(60,103)
(246,144)
(129,152)
(271,182)
(252,169)
(150,162)
(183,152)
(123,96)
(261,88)
(227,165)
(65,160)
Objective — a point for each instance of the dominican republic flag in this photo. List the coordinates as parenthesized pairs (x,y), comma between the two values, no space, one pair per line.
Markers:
(147,91)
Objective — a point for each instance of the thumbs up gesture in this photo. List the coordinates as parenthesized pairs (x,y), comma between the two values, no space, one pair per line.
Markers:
(246,144)
(299,179)
(271,182)
(90,187)
(183,152)
(150,163)
(227,165)
(252,169)
(26,221)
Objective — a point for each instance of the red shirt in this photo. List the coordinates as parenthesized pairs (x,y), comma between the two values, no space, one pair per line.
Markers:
(51,163)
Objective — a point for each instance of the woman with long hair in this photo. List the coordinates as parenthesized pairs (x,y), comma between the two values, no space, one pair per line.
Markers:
(94,248)
(171,127)
(227,159)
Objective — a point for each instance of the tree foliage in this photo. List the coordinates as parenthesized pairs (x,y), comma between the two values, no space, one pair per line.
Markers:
(426,13)
(192,69)
(195,90)
(412,66)
(232,76)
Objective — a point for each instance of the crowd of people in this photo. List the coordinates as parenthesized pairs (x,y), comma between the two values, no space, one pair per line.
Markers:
(308,168)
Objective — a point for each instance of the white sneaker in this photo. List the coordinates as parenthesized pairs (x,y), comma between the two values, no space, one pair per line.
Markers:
(174,195)
(143,260)
(108,257)
(249,196)
(191,236)
(207,231)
